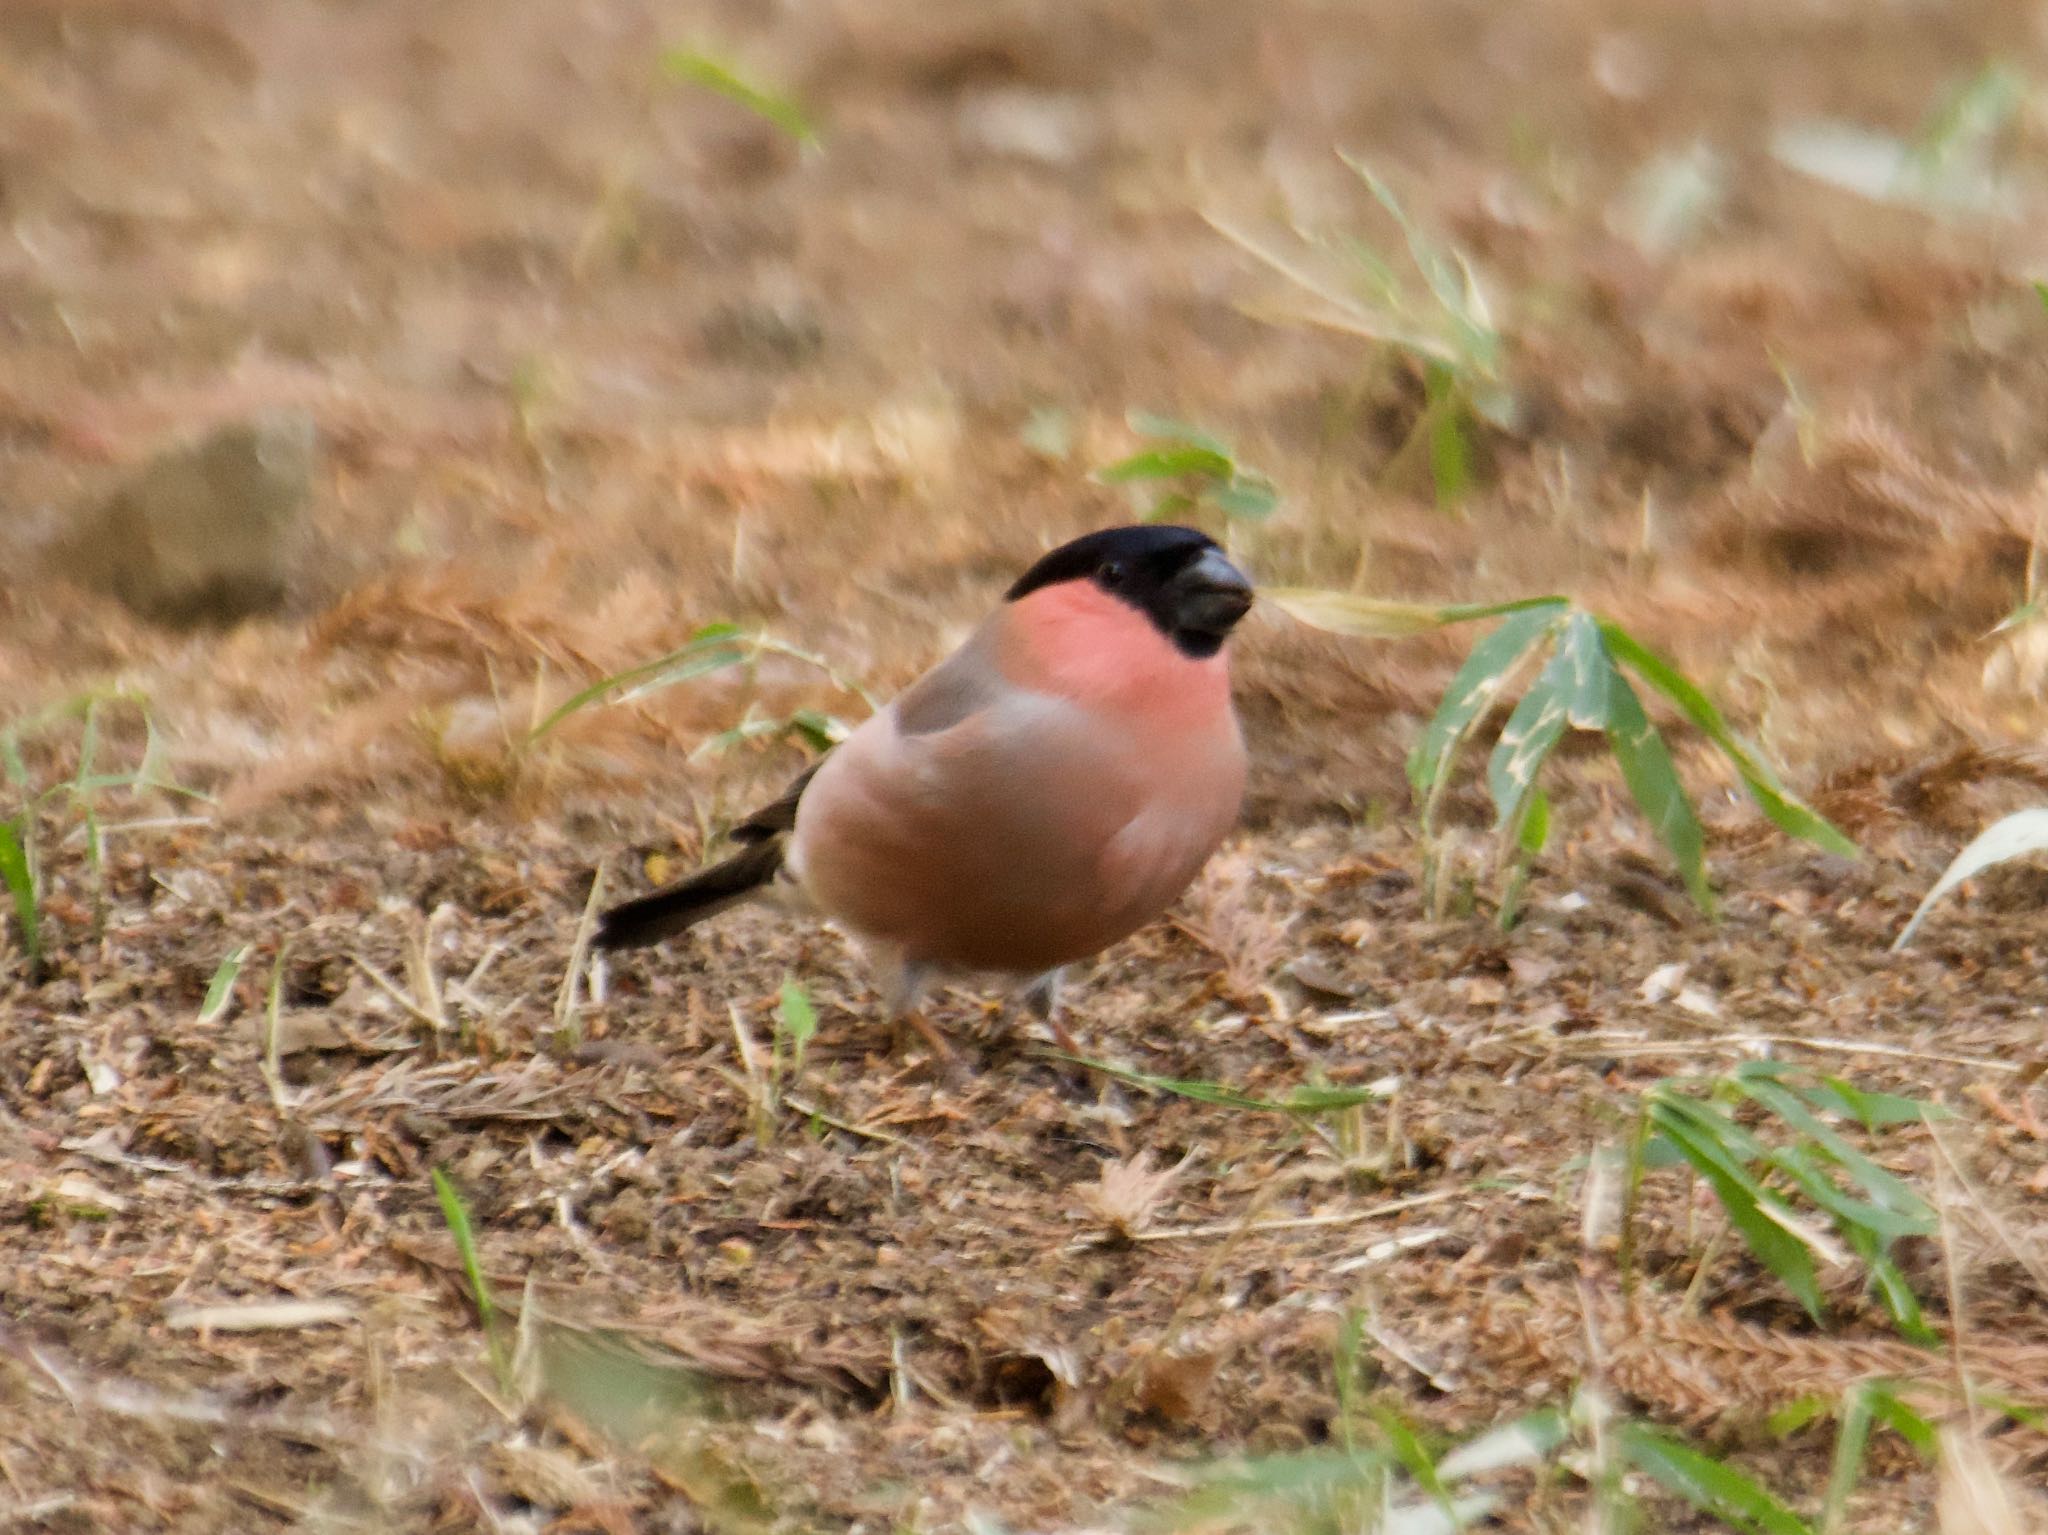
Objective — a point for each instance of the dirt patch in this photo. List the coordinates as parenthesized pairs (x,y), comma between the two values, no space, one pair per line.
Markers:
(597,359)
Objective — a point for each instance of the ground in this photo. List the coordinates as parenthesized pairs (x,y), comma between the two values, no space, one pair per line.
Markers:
(598,357)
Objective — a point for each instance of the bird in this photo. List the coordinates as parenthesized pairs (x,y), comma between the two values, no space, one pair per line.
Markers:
(1039,795)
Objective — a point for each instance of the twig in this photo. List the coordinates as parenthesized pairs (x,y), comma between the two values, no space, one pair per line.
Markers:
(1288,1223)
(1726,1043)
(566,998)
(391,990)
(811,1111)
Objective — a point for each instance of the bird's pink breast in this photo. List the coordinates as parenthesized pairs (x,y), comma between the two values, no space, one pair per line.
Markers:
(1078,642)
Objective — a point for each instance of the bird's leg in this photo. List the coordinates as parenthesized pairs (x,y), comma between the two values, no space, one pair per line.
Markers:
(1042,996)
(903,984)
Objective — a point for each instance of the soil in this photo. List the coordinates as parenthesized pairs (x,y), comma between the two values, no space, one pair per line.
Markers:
(599,358)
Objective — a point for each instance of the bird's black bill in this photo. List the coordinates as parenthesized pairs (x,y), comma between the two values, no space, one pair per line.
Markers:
(1210,595)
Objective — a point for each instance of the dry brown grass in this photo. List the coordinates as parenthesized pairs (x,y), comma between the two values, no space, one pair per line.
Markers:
(597,362)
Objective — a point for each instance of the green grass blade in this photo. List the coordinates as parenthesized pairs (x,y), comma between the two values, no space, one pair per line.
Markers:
(221,989)
(18,873)
(1302,1100)
(1587,679)
(1707,1484)
(695,68)
(1475,687)
(1652,779)
(1783,808)
(1379,618)
(710,649)
(456,1213)
(1722,1133)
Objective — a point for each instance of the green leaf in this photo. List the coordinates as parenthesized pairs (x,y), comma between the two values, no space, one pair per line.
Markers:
(1742,1197)
(1475,687)
(1571,689)
(1705,1483)
(1526,741)
(2010,837)
(1302,1100)
(1784,809)
(1534,833)
(1849,1214)
(1167,464)
(1413,1457)
(456,1214)
(1900,1303)
(1889,1409)
(710,649)
(19,875)
(1898,1198)
(220,991)
(1793,1416)
(1175,504)
(799,1021)
(696,68)
(1652,779)
(1871,1108)
(1253,500)
(1379,618)
(1450,456)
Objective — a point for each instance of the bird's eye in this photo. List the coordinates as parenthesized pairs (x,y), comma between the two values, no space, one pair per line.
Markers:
(1111,574)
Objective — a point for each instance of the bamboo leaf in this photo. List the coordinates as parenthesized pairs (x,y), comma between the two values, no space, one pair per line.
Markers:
(1533,730)
(1167,464)
(2015,836)
(1475,687)
(1380,618)
(1705,1483)
(1652,779)
(1784,1253)
(1784,809)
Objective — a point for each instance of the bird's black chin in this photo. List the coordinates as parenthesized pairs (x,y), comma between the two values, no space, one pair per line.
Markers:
(1198,644)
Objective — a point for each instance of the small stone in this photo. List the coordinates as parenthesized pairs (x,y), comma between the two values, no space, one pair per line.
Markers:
(207,531)
(1048,128)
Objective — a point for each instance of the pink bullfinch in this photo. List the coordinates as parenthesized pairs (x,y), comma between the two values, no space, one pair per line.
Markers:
(1043,792)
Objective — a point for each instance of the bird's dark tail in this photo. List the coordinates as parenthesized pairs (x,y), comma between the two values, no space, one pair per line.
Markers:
(687,902)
